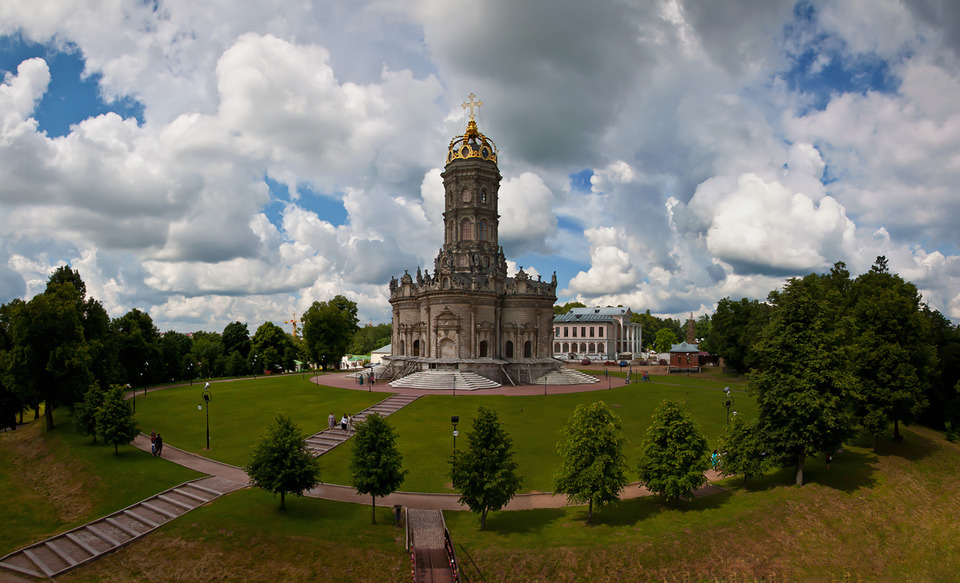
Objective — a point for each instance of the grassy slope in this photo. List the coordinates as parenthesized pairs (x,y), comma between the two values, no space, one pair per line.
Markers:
(534,423)
(241,411)
(54,481)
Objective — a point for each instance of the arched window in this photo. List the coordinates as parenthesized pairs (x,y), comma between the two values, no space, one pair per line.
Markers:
(566,347)
(556,348)
(527,349)
(466,230)
(593,347)
(416,348)
(446,283)
(482,235)
(483,348)
(483,196)
(583,347)
(508,349)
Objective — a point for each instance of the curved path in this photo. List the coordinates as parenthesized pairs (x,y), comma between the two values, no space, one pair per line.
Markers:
(425,500)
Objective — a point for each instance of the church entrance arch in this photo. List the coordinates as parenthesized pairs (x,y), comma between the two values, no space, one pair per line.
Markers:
(448,348)
(416,348)
(508,349)
(527,349)
(483,349)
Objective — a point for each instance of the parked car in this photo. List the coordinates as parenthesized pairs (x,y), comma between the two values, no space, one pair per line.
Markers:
(609,363)
(623,364)
(585,361)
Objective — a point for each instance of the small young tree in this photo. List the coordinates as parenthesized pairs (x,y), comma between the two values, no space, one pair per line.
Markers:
(280,462)
(376,465)
(674,453)
(485,474)
(85,412)
(115,420)
(593,468)
(741,452)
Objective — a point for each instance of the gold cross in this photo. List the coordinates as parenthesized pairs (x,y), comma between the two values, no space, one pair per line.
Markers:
(471,104)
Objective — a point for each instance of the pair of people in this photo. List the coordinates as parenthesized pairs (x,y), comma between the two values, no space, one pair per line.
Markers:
(346,422)
(156,444)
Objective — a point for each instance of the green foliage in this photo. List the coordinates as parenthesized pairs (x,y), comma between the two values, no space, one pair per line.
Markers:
(269,344)
(115,420)
(734,329)
(740,449)
(674,453)
(85,412)
(653,324)
(593,468)
(485,474)
(892,356)
(138,341)
(236,338)
(280,462)
(370,338)
(665,340)
(803,385)
(376,465)
(327,329)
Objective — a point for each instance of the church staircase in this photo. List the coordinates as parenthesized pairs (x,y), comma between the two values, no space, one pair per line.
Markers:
(322,442)
(566,376)
(445,380)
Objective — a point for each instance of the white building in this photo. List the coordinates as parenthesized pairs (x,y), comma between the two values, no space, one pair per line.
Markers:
(596,333)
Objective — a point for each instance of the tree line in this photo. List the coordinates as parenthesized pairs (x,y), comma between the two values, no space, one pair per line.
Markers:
(54,346)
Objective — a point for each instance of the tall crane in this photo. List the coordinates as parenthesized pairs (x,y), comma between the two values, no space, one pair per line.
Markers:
(293,323)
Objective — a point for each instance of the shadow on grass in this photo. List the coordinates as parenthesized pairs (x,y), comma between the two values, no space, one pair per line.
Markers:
(851,470)
(525,522)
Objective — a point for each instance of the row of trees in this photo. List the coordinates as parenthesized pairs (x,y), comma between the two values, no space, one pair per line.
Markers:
(830,357)
(56,345)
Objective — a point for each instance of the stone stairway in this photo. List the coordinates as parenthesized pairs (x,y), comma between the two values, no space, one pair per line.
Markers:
(71,549)
(566,376)
(444,380)
(322,442)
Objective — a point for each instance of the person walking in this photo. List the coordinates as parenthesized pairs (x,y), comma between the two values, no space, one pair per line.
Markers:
(159,445)
(331,420)
(343,422)
(153,443)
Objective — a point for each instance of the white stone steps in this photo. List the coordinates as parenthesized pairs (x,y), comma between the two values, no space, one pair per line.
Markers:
(566,377)
(322,442)
(444,380)
(60,553)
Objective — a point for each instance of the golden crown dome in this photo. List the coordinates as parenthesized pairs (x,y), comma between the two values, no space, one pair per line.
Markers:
(472,144)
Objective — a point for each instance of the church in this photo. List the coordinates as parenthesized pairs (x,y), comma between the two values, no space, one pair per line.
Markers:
(467,315)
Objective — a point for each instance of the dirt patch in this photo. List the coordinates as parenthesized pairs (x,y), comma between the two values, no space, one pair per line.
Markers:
(58,481)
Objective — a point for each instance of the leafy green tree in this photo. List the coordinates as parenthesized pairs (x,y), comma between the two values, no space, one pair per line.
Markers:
(138,341)
(369,338)
(740,449)
(115,420)
(941,388)
(280,462)
(892,355)
(734,330)
(376,465)
(327,329)
(674,453)
(802,383)
(268,344)
(485,474)
(175,348)
(236,338)
(593,468)
(85,412)
(702,331)
(665,340)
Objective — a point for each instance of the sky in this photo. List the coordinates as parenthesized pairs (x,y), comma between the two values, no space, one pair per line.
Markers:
(219,161)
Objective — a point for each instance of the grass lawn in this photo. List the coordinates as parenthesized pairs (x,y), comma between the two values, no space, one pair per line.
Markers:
(534,423)
(241,411)
(54,481)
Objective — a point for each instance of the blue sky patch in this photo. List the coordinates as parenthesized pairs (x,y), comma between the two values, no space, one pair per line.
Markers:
(328,208)
(580,181)
(68,100)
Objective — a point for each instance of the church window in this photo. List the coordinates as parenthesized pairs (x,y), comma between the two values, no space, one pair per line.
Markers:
(446,283)
(527,349)
(483,196)
(591,331)
(508,349)
(466,230)
(482,235)
(483,348)
(416,348)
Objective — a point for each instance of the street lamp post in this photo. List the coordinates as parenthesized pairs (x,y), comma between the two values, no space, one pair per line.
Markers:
(254,367)
(207,397)
(134,398)
(146,365)
(455,394)
(728,401)
(190,372)
(455,419)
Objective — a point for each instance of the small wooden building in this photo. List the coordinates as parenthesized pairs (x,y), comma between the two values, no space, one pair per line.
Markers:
(685,357)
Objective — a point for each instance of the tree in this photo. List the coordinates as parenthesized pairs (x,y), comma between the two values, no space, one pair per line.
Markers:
(674,453)
(85,413)
(593,468)
(139,347)
(559,310)
(115,420)
(369,338)
(280,462)
(327,329)
(268,344)
(485,474)
(236,338)
(665,340)
(892,355)
(802,383)
(375,468)
(741,452)
(734,330)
